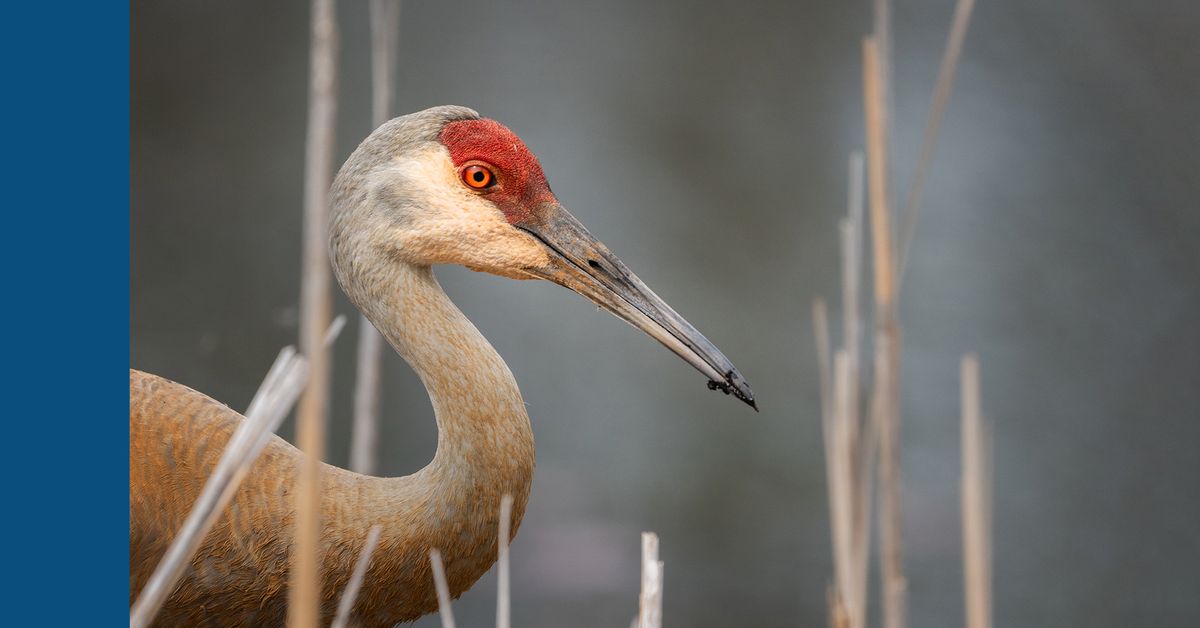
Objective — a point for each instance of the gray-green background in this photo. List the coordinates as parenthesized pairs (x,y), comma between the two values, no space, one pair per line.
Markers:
(706,144)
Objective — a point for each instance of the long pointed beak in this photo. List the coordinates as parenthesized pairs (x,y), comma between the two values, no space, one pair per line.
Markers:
(583,264)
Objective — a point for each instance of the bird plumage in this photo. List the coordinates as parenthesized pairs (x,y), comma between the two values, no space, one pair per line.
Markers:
(400,204)
(485,450)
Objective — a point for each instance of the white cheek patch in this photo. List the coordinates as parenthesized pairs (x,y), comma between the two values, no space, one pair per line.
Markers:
(431,173)
(449,224)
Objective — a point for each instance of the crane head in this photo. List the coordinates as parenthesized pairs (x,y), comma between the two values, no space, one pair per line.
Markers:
(446,186)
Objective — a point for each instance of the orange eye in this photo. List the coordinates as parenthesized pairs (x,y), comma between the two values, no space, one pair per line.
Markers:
(478,177)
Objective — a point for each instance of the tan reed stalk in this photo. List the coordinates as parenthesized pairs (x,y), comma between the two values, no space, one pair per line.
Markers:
(304,596)
(851,248)
(842,498)
(334,330)
(877,178)
(385,26)
(849,443)
(881,32)
(650,599)
(941,95)
(346,604)
(838,613)
(824,368)
(267,410)
(503,594)
(865,448)
(364,439)
(443,589)
(838,618)
(364,448)
(885,400)
(852,256)
(885,417)
(863,442)
(976,501)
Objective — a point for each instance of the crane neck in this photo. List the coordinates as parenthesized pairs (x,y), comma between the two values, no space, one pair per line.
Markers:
(483,428)
(485,445)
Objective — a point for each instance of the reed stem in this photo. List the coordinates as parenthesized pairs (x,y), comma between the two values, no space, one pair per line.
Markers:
(316,305)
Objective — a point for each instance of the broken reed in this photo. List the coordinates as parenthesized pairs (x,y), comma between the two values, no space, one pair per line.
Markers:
(650,599)
(503,588)
(350,594)
(443,589)
(976,500)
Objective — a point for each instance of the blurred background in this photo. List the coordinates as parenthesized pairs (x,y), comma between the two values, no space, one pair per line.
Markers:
(706,143)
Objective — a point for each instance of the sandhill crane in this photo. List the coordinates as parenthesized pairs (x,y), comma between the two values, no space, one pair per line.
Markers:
(441,186)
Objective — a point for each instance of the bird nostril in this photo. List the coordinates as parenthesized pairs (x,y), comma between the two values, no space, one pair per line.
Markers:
(594,264)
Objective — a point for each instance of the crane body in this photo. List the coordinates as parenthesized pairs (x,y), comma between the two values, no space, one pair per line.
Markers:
(441,186)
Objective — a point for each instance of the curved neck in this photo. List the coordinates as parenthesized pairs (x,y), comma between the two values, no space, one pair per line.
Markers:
(485,443)
(483,429)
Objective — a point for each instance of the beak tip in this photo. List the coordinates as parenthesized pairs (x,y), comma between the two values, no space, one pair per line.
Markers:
(737,386)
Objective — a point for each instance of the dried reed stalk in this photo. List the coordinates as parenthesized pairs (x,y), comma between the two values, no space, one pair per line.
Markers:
(315,308)
(849,443)
(824,367)
(885,405)
(941,95)
(877,176)
(864,435)
(346,604)
(503,594)
(385,20)
(334,330)
(443,589)
(842,498)
(650,600)
(881,32)
(839,616)
(267,410)
(850,458)
(385,26)
(885,418)
(365,435)
(364,438)
(852,256)
(864,487)
(976,501)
